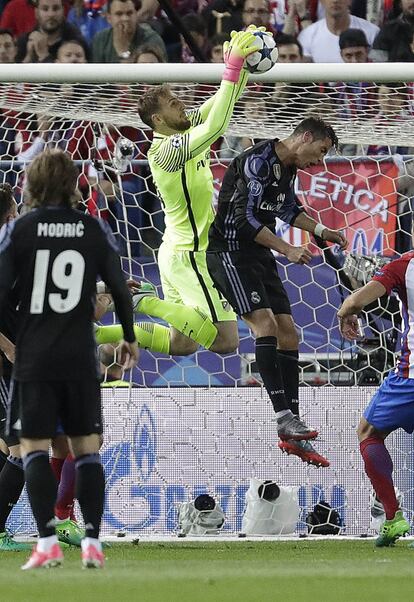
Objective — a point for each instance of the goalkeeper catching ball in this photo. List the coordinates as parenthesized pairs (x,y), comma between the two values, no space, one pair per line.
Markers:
(179,159)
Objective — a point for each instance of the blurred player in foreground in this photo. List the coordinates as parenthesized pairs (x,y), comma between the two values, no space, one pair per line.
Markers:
(392,406)
(258,187)
(11,466)
(55,254)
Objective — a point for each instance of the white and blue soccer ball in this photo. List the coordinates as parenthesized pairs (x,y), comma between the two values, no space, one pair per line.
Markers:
(266,55)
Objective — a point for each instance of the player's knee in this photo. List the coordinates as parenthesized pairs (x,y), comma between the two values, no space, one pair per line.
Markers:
(225,345)
(365,430)
(183,347)
(266,328)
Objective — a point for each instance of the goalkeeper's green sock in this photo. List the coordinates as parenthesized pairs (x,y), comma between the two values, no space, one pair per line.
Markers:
(154,337)
(190,321)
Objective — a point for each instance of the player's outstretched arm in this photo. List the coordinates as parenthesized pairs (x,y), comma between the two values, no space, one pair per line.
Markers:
(354,304)
(218,110)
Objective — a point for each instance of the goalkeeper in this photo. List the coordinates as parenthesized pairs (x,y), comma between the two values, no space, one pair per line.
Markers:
(179,160)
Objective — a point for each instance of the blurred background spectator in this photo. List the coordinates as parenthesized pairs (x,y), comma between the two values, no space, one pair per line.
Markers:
(222,16)
(147,53)
(88,16)
(394,42)
(216,47)
(297,18)
(196,27)
(124,36)
(257,12)
(320,41)
(354,46)
(41,44)
(72,51)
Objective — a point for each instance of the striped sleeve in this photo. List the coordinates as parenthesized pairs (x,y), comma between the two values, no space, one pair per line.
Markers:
(194,115)
(173,152)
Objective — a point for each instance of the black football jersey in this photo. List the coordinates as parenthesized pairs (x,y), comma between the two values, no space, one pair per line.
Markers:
(54,257)
(257,188)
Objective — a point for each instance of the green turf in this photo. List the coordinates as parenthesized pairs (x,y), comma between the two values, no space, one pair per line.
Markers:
(315,571)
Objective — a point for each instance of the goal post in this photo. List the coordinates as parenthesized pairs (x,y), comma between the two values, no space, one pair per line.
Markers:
(202,423)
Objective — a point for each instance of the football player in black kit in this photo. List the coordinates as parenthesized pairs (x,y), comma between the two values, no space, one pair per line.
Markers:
(55,254)
(258,186)
(11,466)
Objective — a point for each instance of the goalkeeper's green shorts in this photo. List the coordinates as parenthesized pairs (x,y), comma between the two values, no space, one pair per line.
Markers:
(185,279)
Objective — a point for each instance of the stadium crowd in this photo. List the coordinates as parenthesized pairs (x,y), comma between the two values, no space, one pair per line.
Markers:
(124,31)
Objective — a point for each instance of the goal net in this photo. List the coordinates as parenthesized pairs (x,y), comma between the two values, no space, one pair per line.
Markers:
(202,423)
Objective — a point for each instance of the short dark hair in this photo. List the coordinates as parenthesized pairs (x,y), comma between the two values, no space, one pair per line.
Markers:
(51,180)
(219,38)
(150,49)
(318,128)
(284,39)
(194,22)
(6,32)
(110,2)
(149,103)
(80,42)
(351,38)
(6,200)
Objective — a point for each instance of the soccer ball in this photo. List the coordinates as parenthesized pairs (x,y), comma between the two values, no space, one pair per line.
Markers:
(266,55)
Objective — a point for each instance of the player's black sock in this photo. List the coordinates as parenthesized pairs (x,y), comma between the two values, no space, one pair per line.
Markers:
(268,363)
(11,486)
(290,373)
(41,488)
(3,459)
(90,492)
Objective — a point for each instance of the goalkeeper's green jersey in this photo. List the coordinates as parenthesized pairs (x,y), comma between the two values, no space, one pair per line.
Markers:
(180,167)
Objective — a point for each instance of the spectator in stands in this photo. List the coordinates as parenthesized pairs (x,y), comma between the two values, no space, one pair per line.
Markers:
(216,47)
(297,18)
(124,36)
(320,41)
(19,17)
(147,53)
(222,16)
(394,106)
(41,44)
(88,17)
(354,46)
(8,53)
(8,48)
(395,40)
(257,12)
(290,50)
(354,100)
(196,27)
(251,109)
(72,51)
(291,99)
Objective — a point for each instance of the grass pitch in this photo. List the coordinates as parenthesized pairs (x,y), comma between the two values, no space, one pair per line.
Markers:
(245,571)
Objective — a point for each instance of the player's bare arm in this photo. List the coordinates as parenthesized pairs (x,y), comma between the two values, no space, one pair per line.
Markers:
(7,347)
(266,238)
(307,223)
(354,304)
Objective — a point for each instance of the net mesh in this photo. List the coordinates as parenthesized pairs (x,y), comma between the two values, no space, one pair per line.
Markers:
(216,439)
(361,113)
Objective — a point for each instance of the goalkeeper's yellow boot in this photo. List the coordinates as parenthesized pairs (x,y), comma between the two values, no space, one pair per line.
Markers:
(392,529)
